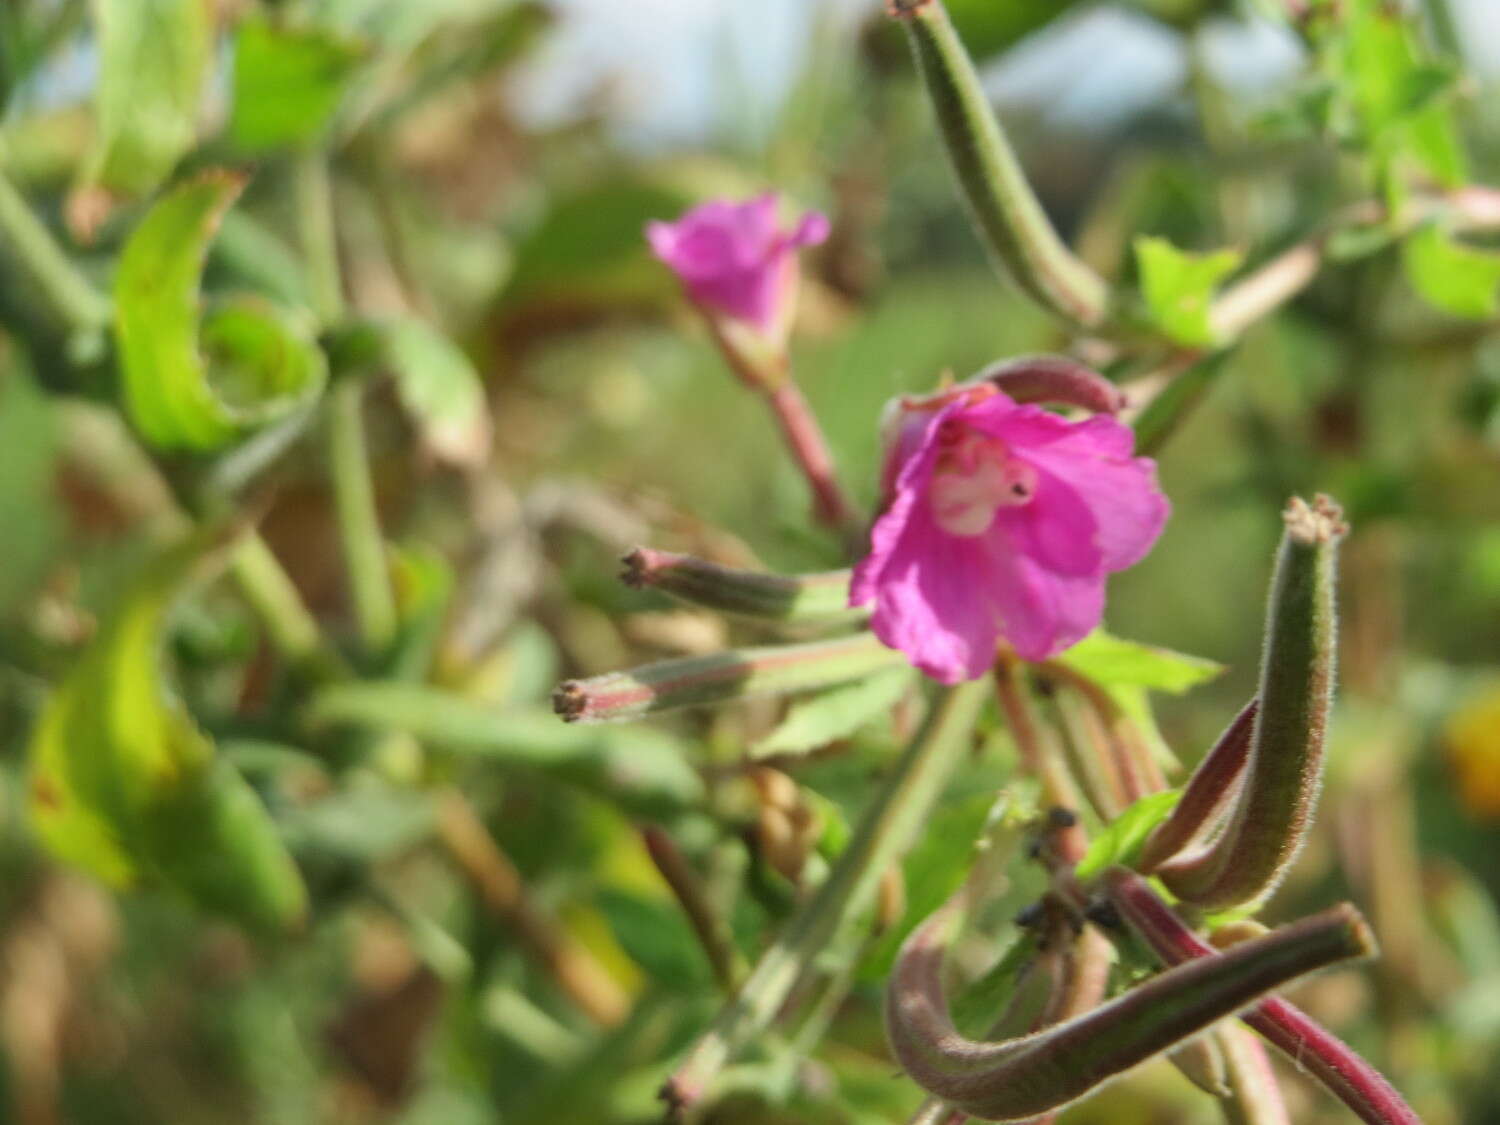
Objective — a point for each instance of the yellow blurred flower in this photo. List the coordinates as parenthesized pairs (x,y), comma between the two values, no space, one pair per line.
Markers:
(1472,734)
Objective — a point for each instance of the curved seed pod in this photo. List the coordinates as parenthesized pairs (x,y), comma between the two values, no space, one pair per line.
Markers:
(1207,792)
(1274,808)
(1016,1079)
(1309,1045)
(1054,379)
(1005,210)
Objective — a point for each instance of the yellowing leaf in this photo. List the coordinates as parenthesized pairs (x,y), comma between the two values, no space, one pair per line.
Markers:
(125,785)
(197,389)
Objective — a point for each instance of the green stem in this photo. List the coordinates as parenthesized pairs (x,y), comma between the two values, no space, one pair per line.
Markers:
(1004,208)
(359,522)
(72,299)
(291,627)
(314,194)
(886,831)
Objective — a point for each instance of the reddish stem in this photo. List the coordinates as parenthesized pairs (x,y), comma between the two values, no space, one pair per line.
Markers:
(1309,1045)
(804,439)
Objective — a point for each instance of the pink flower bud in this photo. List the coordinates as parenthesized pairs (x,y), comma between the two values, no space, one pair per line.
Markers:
(734,261)
(1001,522)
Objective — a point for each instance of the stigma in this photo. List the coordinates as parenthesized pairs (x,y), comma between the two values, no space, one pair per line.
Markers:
(974,478)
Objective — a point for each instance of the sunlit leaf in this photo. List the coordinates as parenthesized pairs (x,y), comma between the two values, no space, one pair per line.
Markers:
(124,783)
(1122,840)
(1462,280)
(834,714)
(154,59)
(1179,287)
(288,82)
(1111,661)
(198,386)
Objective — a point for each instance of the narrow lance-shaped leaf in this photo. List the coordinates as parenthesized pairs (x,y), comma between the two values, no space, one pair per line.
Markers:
(721,676)
(193,387)
(643,770)
(1016,1079)
(1012,223)
(124,784)
(1274,808)
(836,713)
(1310,1047)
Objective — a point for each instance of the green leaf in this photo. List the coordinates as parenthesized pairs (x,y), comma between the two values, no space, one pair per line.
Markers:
(154,60)
(1461,280)
(1122,840)
(288,83)
(936,867)
(436,383)
(1179,287)
(640,769)
(1395,96)
(834,714)
(253,362)
(1111,661)
(590,248)
(125,785)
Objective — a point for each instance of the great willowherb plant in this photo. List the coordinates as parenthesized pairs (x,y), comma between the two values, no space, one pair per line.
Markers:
(154,315)
(1006,501)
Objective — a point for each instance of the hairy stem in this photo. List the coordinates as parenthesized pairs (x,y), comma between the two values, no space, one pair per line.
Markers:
(886,830)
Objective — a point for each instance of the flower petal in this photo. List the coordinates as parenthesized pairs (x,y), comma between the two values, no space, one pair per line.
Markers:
(1040,611)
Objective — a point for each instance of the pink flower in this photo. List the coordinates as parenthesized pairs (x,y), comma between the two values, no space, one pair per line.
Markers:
(733,260)
(1001,522)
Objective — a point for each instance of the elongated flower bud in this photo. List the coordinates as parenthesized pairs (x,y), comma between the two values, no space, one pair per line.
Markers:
(1010,220)
(1019,1078)
(811,598)
(734,674)
(1275,806)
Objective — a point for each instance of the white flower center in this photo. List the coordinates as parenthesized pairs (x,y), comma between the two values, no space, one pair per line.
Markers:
(975,476)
